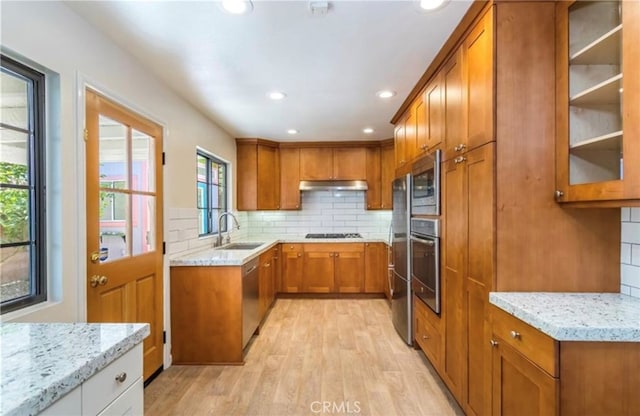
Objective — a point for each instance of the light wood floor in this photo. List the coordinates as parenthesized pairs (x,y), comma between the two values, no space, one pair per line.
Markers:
(341,351)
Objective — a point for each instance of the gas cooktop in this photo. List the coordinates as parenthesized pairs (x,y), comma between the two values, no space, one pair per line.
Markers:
(334,235)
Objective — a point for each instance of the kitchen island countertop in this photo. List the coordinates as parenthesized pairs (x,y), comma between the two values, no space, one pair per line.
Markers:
(42,362)
(608,317)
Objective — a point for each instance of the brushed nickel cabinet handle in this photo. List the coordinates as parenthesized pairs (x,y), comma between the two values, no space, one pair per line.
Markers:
(493,343)
(515,334)
(120,378)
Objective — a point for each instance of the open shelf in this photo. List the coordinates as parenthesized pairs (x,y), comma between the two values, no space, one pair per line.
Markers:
(603,51)
(610,141)
(606,92)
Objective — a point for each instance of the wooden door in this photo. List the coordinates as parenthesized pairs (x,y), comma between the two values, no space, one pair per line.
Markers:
(519,387)
(316,163)
(268,177)
(349,163)
(374,178)
(478,64)
(375,267)
(454,119)
(290,178)
(410,134)
(453,272)
(349,268)
(292,268)
(422,125)
(124,221)
(434,101)
(399,137)
(480,258)
(388,174)
(318,276)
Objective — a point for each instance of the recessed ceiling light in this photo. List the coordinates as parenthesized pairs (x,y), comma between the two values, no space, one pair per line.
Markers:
(276,95)
(431,4)
(292,131)
(385,94)
(367,130)
(237,6)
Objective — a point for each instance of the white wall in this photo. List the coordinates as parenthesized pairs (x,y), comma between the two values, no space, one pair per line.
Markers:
(630,252)
(52,35)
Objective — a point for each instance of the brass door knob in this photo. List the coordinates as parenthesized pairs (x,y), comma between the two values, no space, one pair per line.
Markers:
(96,280)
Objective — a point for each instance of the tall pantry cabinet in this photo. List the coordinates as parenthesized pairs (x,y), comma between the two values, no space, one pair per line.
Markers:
(501,227)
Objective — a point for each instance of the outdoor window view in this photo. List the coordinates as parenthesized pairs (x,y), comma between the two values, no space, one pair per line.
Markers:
(212,193)
(22,197)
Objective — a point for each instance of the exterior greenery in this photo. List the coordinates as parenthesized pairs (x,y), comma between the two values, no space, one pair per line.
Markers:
(14,204)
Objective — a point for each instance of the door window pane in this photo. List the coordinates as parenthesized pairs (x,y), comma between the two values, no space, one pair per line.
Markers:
(14,262)
(113,154)
(143,155)
(14,110)
(143,224)
(14,150)
(14,215)
(114,231)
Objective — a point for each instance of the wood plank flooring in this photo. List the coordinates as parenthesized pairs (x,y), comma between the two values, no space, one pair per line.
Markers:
(312,357)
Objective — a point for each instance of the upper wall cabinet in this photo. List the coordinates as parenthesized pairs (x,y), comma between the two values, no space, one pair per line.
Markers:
(598,93)
(290,181)
(326,163)
(258,184)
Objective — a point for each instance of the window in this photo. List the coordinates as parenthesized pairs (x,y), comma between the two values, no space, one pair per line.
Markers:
(212,193)
(22,186)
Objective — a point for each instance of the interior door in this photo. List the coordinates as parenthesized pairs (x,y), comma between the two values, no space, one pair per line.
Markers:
(124,221)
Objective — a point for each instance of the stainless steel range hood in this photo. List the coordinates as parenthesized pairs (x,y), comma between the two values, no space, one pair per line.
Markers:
(333,185)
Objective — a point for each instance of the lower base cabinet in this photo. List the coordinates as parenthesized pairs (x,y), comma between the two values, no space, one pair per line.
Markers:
(533,374)
(117,389)
(428,332)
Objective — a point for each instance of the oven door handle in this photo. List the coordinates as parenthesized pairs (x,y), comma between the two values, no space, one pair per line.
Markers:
(423,241)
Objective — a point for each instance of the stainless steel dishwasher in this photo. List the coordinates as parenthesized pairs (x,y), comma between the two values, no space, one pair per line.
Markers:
(250,316)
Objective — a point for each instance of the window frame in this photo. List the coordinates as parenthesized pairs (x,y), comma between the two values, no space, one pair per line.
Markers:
(211,226)
(36,158)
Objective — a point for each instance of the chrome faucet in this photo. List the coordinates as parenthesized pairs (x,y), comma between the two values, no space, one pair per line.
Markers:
(219,238)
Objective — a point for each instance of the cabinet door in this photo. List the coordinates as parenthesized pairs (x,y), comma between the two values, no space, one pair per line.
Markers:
(247,182)
(478,69)
(422,125)
(292,268)
(318,271)
(290,180)
(265,283)
(399,137)
(349,270)
(131,402)
(388,174)
(349,163)
(410,133)
(453,273)
(277,270)
(454,126)
(480,195)
(375,267)
(520,388)
(425,334)
(268,177)
(316,163)
(434,101)
(374,178)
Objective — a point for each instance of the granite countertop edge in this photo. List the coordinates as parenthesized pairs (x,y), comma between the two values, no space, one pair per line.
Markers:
(584,327)
(217,257)
(61,386)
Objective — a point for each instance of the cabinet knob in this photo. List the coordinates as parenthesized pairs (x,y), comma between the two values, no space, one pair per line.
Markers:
(299,254)
(493,343)
(515,334)
(459,159)
(337,254)
(460,147)
(120,378)
(425,337)
(558,195)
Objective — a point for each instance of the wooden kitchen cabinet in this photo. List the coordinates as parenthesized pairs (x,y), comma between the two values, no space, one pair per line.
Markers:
(327,163)
(292,268)
(374,178)
(454,129)
(434,106)
(400,143)
(598,93)
(387,173)
(290,179)
(330,268)
(258,184)
(375,268)
(266,285)
(428,333)
(421,108)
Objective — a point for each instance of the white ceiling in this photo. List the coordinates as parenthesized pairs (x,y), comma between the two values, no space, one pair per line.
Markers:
(329,66)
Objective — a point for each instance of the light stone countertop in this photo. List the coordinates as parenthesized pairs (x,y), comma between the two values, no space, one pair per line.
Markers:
(42,362)
(218,257)
(610,317)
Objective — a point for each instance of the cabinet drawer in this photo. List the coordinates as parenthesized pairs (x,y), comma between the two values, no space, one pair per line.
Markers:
(103,388)
(533,344)
(427,336)
(291,247)
(131,402)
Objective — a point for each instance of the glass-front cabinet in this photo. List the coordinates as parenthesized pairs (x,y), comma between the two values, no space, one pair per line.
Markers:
(597,88)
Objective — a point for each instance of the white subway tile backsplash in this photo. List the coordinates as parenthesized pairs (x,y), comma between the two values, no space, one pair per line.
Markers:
(631,232)
(630,252)
(625,253)
(635,214)
(625,290)
(630,275)
(625,214)
(635,255)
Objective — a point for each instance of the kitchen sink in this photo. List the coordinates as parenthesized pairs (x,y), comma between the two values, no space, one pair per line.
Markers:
(240,246)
